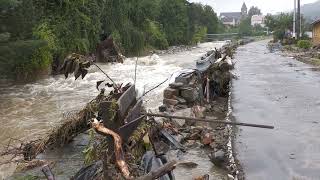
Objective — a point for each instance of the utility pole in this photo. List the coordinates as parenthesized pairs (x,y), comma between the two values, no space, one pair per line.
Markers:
(294,19)
(298,21)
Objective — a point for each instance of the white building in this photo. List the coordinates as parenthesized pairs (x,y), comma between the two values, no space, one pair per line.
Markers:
(257,20)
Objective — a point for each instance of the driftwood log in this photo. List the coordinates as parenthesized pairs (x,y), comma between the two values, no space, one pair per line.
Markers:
(121,163)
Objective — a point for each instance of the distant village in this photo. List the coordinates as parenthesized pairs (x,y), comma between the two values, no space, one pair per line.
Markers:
(232,19)
(252,22)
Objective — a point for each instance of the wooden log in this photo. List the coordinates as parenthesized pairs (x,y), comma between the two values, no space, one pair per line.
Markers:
(160,171)
(210,120)
(122,165)
(47,172)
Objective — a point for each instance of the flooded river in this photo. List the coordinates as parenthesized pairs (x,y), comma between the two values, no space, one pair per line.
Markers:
(29,111)
(283,92)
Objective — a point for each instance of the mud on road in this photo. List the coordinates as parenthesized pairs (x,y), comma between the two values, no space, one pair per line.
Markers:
(280,91)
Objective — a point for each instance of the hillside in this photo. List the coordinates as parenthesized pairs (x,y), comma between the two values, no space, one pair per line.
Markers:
(312,10)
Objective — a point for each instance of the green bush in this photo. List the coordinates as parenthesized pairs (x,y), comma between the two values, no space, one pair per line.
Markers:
(278,34)
(304,44)
(24,59)
(132,40)
(199,35)
(4,37)
(155,35)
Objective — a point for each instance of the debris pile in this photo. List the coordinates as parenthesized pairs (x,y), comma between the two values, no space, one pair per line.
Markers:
(136,144)
(309,56)
(198,94)
(209,80)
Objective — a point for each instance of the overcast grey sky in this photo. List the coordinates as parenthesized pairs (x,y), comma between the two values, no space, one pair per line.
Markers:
(267,6)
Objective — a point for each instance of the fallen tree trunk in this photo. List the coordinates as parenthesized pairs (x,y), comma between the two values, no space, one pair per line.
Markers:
(121,163)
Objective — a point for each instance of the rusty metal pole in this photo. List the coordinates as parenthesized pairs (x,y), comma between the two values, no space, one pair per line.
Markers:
(298,19)
(294,34)
(209,120)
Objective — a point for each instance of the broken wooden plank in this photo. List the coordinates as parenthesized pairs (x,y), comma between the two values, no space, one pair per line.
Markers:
(132,121)
(126,100)
(134,112)
(126,130)
(112,113)
(155,174)
(109,115)
(172,140)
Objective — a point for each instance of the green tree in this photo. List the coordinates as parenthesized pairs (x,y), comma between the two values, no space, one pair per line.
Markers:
(67,26)
(245,28)
(173,17)
(254,11)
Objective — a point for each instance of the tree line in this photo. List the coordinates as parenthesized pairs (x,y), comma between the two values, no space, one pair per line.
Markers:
(282,25)
(34,33)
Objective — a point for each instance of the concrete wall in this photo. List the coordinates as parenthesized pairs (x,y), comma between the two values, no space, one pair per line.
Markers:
(316,33)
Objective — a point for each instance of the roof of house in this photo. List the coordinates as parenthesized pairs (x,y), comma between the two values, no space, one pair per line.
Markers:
(235,15)
(316,21)
(227,19)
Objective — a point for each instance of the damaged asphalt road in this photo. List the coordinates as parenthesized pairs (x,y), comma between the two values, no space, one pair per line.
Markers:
(283,92)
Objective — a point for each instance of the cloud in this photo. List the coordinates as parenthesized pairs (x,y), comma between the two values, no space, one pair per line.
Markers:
(267,6)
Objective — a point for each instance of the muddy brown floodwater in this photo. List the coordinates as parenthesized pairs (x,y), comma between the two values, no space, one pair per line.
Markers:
(283,92)
(29,111)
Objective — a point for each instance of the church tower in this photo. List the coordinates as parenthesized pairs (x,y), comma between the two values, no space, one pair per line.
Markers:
(244,10)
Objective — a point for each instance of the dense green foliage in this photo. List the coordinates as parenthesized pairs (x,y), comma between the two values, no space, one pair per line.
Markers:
(304,44)
(245,28)
(79,25)
(23,58)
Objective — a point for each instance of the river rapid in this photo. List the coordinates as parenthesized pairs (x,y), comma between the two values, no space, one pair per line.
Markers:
(29,111)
